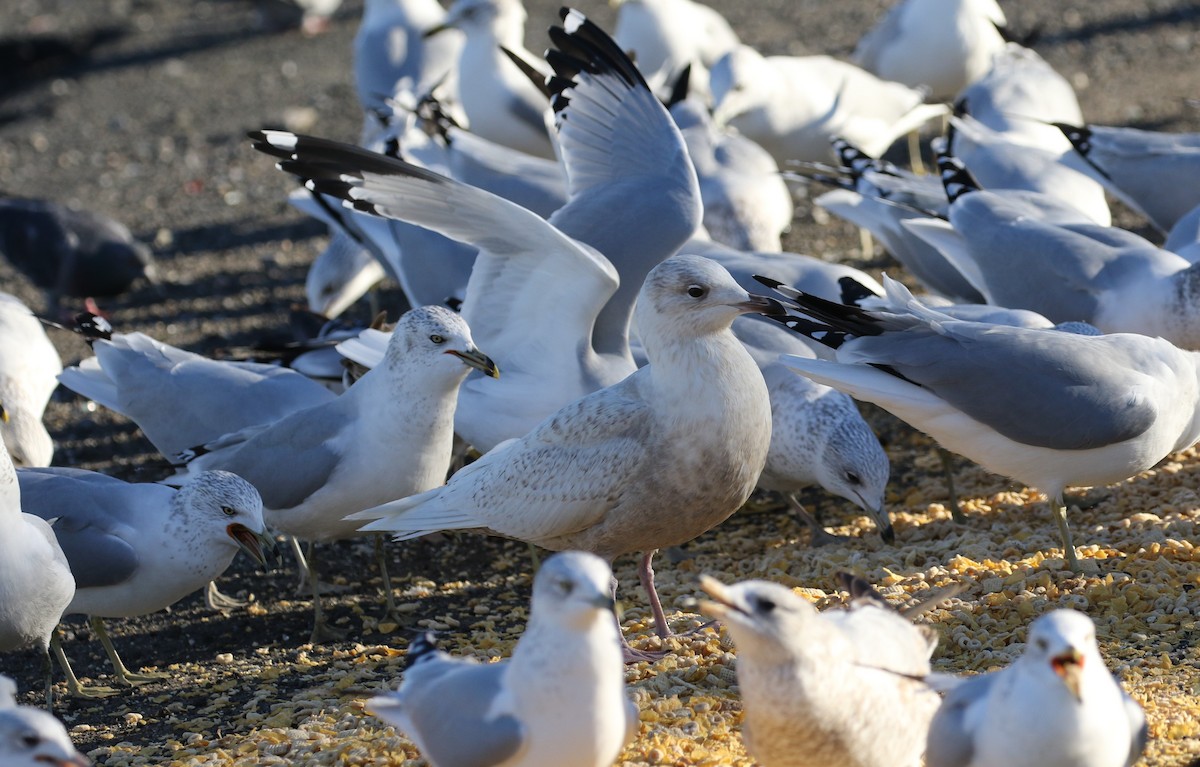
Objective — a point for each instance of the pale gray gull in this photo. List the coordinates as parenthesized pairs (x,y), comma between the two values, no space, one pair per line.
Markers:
(36,584)
(388,436)
(559,701)
(839,687)
(634,201)
(655,460)
(138,548)
(29,368)
(390,46)
(1077,410)
(1054,706)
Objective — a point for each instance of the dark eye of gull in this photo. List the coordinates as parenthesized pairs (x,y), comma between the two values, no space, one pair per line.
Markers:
(696,291)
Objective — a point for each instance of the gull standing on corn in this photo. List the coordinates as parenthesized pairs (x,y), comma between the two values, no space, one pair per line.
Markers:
(1055,706)
(840,687)
(30,737)
(1080,410)
(655,460)
(634,201)
(388,436)
(941,45)
(559,701)
(29,368)
(36,584)
(138,548)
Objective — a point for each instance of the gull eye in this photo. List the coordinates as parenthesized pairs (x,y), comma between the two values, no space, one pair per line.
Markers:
(853,478)
(764,605)
(437,339)
(696,291)
(228,511)
(566,586)
(30,740)
(1041,644)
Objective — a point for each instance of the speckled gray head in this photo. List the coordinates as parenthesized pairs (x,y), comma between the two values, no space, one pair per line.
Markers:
(572,587)
(855,466)
(220,500)
(693,296)
(433,335)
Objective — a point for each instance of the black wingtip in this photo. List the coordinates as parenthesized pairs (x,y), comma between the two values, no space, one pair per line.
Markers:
(956,179)
(854,292)
(421,648)
(679,91)
(582,46)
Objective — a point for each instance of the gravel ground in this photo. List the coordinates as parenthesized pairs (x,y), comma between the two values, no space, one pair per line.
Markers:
(149,127)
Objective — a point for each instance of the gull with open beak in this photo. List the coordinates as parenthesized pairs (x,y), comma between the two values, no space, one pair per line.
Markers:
(839,687)
(138,548)
(1055,706)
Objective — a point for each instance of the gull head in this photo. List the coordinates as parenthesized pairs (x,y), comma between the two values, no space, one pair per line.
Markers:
(220,503)
(573,589)
(435,337)
(854,466)
(30,737)
(25,436)
(691,296)
(737,81)
(1061,647)
(765,619)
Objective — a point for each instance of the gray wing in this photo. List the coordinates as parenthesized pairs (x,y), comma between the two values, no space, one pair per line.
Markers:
(86,508)
(1074,392)
(446,702)
(1138,727)
(288,461)
(950,743)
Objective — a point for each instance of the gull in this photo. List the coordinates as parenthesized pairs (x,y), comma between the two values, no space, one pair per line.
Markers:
(340,275)
(835,687)
(1151,171)
(388,436)
(559,700)
(36,584)
(1023,252)
(501,104)
(29,368)
(665,36)
(138,548)
(655,460)
(390,47)
(818,436)
(747,204)
(30,737)
(1021,97)
(941,45)
(69,252)
(634,201)
(793,106)
(1055,706)
(1076,410)
(999,162)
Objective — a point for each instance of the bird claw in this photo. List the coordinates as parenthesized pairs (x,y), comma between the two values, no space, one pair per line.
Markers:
(138,678)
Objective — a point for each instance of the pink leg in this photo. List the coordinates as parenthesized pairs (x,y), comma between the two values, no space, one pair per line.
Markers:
(646,574)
